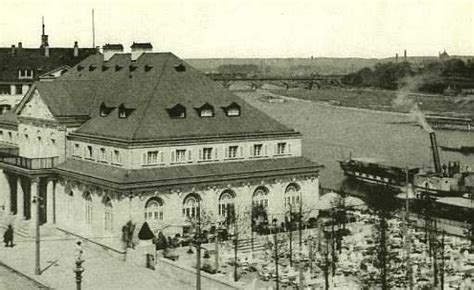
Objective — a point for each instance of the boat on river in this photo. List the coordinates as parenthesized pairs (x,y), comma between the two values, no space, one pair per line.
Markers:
(445,180)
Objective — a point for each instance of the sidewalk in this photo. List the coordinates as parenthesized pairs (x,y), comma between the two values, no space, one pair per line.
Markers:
(102,271)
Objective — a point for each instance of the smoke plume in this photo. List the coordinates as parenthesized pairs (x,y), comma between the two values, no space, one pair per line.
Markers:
(406,103)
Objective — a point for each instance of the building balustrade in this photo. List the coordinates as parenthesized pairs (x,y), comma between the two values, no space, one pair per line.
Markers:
(28,163)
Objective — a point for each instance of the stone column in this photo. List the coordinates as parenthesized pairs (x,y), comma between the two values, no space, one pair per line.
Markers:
(20,204)
(50,202)
(34,197)
(5,192)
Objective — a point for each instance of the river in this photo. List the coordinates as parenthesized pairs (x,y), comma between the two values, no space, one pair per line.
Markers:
(333,132)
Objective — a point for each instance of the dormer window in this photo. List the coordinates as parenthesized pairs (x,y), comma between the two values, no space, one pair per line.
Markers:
(118,67)
(132,67)
(124,112)
(177,112)
(232,110)
(92,67)
(104,68)
(180,67)
(25,74)
(104,110)
(148,67)
(80,67)
(206,111)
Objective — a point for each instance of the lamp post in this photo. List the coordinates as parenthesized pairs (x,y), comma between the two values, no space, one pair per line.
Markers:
(37,200)
(78,270)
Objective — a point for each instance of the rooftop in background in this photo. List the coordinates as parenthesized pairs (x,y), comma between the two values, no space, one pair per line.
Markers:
(14,59)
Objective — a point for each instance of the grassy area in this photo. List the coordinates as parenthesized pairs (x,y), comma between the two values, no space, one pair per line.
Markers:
(382,100)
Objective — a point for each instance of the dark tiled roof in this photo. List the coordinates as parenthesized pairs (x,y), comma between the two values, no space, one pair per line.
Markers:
(150,92)
(113,46)
(187,174)
(33,58)
(9,120)
(146,45)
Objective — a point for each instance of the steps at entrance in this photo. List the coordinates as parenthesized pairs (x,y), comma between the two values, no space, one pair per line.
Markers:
(245,246)
(23,228)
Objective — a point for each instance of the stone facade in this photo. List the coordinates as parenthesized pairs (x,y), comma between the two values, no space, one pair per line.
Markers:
(92,185)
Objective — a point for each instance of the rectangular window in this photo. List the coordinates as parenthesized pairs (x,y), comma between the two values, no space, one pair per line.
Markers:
(1,134)
(116,157)
(10,135)
(152,157)
(76,150)
(281,148)
(103,155)
(19,89)
(233,151)
(180,155)
(89,152)
(207,153)
(257,149)
(4,89)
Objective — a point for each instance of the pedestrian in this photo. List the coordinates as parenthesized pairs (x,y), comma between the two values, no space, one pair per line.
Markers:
(79,250)
(8,236)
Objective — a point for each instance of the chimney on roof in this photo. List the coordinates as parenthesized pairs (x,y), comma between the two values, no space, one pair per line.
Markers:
(75,50)
(44,37)
(20,45)
(139,48)
(13,50)
(396,57)
(405,55)
(110,49)
(46,50)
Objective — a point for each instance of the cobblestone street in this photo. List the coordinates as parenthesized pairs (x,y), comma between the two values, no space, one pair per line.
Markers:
(102,271)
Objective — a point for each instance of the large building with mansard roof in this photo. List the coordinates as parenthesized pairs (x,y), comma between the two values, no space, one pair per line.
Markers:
(144,137)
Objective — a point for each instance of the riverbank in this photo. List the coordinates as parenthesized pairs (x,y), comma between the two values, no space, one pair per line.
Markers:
(382,100)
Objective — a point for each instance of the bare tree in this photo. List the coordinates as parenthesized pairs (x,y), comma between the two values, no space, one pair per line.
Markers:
(382,203)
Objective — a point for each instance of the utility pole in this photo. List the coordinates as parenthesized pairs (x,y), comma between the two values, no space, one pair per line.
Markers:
(198,249)
(216,240)
(407,234)
(275,239)
(442,261)
(300,222)
(236,244)
(291,236)
(37,200)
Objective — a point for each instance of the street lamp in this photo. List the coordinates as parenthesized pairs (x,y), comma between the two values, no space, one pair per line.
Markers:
(78,270)
(37,200)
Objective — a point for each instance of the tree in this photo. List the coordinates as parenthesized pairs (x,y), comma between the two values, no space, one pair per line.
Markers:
(145,232)
(237,221)
(382,203)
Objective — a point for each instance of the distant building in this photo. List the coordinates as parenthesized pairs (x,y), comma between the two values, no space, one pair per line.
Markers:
(443,55)
(20,67)
(146,139)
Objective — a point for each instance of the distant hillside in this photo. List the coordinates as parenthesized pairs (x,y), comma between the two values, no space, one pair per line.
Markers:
(319,65)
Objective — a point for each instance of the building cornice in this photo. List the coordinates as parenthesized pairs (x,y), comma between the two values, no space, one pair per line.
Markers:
(182,140)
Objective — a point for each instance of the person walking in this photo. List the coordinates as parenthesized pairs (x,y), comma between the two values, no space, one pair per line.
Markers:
(8,236)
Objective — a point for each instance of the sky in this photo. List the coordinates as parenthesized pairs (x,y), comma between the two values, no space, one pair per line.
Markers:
(249,28)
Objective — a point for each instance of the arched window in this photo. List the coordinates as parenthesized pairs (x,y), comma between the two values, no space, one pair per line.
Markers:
(154,209)
(108,217)
(292,195)
(69,204)
(88,208)
(260,196)
(191,207)
(226,203)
